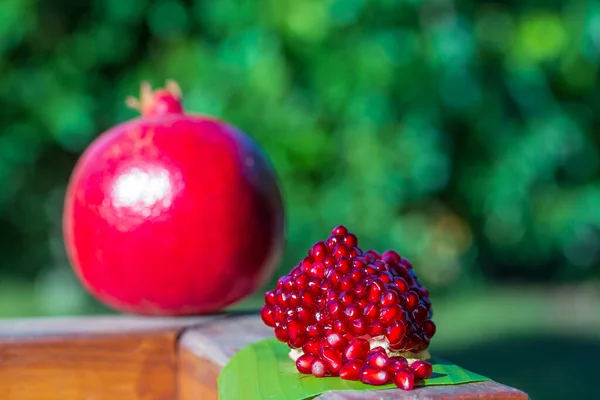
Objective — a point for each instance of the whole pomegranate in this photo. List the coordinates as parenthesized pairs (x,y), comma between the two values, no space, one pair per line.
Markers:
(356,314)
(172,213)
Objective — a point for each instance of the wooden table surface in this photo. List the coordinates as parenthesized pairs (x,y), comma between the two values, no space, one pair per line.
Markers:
(123,357)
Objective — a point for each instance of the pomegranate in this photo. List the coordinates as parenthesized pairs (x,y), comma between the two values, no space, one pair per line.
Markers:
(172,213)
(356,314)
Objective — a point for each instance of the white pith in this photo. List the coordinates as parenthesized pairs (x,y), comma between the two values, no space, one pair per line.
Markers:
(375,342)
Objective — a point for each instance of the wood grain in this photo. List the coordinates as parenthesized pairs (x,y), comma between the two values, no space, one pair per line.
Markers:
(91,358)
(206,349)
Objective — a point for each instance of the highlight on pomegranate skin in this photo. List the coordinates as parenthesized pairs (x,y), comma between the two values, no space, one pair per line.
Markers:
(356,314)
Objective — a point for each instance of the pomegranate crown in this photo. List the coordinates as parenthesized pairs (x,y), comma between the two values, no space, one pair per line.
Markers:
(162,101)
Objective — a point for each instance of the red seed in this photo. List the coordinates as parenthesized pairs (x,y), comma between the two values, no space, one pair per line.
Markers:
(333,240)
(350,371)
(311,347)
(302,281)
(396,363)
(373,376)
(412,300)
(334,308)
(420,314)
(347,297)
(352,311)
(392,255)
(344,265)
(332,294)
(386,277)
(357,274)
(295,328)
(388,298)
(377,329)
(340,251)
(314,285)
(377,349)
(313,331)
(371,311)
(359,327)
(404,379)
(389,314)
(304,363)
(317,270)
(281,333)
(401,284)
(307,299)
(395,332)
(339,230)
(374,290)
(329,261)
(268,316)
(319,251)
(304,315)
(421,369)
(332,359)
(351,240)
(360,289)
(318,368)
(340,326)
(357,349)
(337,341)
(346,283)
(429,328)
(270,298)
(378,360)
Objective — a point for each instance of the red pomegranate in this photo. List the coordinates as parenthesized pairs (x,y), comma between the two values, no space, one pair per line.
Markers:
(172,213)
(356,314)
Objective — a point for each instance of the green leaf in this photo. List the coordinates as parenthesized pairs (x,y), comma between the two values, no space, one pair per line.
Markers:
(263,370)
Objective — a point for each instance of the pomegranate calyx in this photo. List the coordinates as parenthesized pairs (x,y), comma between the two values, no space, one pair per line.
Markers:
(162,101)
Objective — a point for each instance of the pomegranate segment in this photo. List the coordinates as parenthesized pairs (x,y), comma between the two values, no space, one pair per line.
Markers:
(351,313)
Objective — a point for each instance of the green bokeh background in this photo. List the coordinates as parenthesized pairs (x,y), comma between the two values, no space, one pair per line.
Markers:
(464,134)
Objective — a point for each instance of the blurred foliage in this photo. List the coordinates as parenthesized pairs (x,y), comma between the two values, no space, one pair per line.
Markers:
(463,134)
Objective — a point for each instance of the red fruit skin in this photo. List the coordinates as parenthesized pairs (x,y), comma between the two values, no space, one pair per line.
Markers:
(173,214)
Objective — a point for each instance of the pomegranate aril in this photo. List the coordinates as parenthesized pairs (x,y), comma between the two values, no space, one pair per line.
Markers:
(332,359)
(359,263)
(360,289)
(388,298)
(374,290)
(420,314)
(392,255)
(404,379)
(388,314)
(396,363)
(313,331)
(296,328)
(386,277)
(270,298)
(332,241)
(357,349)
(331,295)
(304,363)
(314,285)
(286,283)
(268,316)
(312,347)
(356,274)
(297,341)
(317,270)
(319,251)
(307,299)
(320,318)
(344,265)
(377,329)
(421,369)
(304,315)
(371,311)
(302,281)
(279,315)
(293,299)
(373,376)
(340,250)
(412,300)
(346,283)
(337,341)
(318,368)
(429,328)
(281,333)
(339,230)
(351,240)
(329,261)
(395,332)
(359,327)
(378,360)
(347,297)
(401,284)
(334,308)
(351,311)
(340,327)
(350,371)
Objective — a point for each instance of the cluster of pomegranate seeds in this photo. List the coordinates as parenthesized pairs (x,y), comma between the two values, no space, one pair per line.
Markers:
(359,315)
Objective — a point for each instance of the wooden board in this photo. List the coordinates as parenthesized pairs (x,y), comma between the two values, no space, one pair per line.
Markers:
(205,350)
(91,358)
(123,357)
